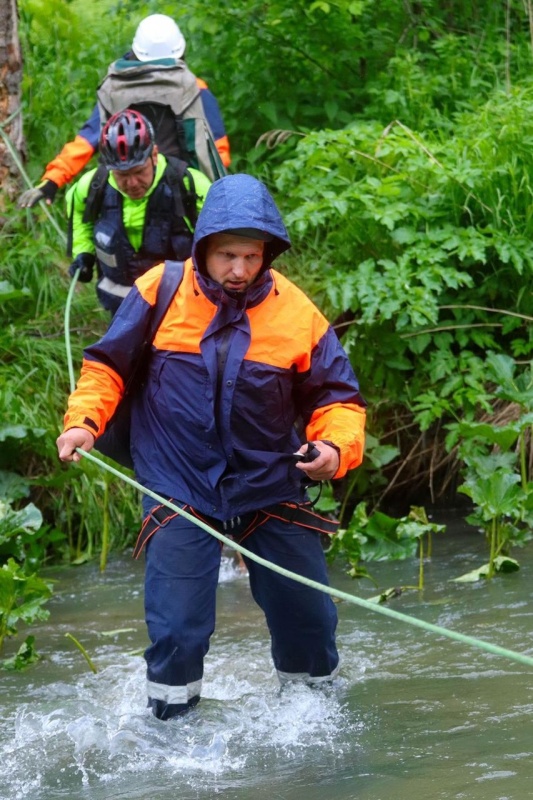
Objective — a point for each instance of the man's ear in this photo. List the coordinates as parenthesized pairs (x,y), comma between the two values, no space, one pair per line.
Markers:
(155,153)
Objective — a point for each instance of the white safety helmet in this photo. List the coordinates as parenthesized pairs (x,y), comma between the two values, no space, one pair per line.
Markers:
(158,36)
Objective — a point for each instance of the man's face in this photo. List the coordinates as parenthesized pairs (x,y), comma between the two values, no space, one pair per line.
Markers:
(233,261)
(136,181)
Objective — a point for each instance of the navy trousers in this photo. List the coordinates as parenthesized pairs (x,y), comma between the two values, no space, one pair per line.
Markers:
(182,567)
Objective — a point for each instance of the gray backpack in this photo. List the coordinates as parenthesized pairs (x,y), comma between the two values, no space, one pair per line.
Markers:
(168,95)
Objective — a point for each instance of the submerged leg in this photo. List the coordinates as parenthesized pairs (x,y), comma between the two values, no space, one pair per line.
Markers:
(302,621)
(182,567)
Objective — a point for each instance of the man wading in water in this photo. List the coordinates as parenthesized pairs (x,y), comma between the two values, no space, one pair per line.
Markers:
(240,356)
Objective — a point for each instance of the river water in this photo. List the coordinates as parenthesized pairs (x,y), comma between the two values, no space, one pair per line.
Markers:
(416,716)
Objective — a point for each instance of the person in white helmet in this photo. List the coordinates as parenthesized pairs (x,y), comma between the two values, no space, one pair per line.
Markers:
(158,36)
(158,49)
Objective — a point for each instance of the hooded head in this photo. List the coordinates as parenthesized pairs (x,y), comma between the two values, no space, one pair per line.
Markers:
(240,205)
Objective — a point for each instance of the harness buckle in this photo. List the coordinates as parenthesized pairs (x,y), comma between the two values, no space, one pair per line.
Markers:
(166,513)
(232,523)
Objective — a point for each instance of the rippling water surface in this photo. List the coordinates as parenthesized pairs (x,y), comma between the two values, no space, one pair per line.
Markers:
(415,716)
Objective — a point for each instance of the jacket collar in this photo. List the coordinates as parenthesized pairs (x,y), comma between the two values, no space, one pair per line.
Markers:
(256,293)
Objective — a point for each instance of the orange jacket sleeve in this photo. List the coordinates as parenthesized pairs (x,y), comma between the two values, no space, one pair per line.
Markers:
(99,389)
(69,162)
(222,146)
(344,425)
(108,363)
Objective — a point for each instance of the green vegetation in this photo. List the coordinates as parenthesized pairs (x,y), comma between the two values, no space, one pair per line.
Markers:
(397,140)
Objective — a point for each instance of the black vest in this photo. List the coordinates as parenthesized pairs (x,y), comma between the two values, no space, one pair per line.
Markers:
(165,234)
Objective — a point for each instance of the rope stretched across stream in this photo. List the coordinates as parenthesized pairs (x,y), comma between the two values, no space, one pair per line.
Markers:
(349,598)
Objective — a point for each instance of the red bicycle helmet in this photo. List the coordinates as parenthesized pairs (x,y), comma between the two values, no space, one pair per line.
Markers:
(127,140)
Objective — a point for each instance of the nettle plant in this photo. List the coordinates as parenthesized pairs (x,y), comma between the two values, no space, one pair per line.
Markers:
(23,594)
(421,249)
(496,467)
(380,537)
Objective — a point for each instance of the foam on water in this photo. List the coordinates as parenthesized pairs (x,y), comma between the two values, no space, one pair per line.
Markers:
(96,734)
(414,717)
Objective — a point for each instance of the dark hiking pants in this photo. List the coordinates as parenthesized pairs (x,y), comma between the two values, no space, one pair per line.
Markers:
(182,567)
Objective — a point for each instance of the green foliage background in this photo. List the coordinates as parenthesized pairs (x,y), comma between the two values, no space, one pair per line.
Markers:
(396,138)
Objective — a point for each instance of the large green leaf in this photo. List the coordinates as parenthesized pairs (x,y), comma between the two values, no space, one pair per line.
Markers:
(501,564)
(495,495)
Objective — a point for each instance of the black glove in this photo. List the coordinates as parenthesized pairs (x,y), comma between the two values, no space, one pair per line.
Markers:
(45,191)
(84,263)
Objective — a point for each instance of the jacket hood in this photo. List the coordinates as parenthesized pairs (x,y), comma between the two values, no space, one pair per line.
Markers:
(239,201)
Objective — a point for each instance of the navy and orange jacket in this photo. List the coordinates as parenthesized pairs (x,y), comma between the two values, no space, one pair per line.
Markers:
(229,376)
(75,155)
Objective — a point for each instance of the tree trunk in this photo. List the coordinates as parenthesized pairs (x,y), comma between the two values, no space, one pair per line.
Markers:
(10,114)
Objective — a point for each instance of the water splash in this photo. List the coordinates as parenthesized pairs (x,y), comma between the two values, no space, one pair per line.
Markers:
(416,717)
(97,733)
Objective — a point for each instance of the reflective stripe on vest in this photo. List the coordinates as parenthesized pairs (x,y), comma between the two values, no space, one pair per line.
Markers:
(116,289)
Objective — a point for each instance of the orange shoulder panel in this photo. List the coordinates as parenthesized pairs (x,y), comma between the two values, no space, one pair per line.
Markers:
(148,284)
(286,328)
(187,318)
(201,83)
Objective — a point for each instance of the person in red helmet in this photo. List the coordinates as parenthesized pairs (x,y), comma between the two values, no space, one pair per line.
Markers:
(160,85)
(137,209)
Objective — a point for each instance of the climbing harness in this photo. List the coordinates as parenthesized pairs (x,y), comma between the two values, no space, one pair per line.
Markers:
(239,528)
(170,506)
